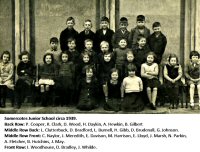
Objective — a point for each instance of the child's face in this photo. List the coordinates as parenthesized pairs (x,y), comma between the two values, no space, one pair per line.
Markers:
(131,73)
(107,57)
(71,45)
(172,61)
(86,58)
(123,26)
(64,58)
(114,76)
(130,57)
(157,30)
(122,43)
(195,59)
(104,24)
(48,59)
(6,58)
(70,24)
(142,42)
(89,73)
(140,24)
(88,45)
(150,59)
(54,45)
(25,58)
(87,26)
(104,48)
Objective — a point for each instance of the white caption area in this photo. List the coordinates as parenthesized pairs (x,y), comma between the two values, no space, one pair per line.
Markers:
(99,133)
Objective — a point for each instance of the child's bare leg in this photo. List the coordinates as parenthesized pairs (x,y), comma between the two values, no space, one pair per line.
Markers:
(149,94)
(47,88)
(192,87)
(41,88)
(154,96)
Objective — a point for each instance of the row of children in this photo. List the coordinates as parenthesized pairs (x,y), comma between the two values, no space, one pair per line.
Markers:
(86,80)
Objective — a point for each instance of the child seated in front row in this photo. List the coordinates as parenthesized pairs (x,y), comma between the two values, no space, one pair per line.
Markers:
(131,89)
(192,74)
(149,71)
(172,76)
(6,75)
(89,90)
(26,77)
(112,92)
(47,74)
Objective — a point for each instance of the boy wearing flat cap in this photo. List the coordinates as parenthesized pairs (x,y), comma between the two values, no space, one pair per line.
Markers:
(140,29)
(121,33)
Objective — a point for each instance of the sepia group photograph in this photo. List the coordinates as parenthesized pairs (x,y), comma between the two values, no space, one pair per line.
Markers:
(99,56)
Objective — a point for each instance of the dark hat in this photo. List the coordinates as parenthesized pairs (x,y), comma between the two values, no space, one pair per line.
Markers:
(123,20)
(104,18)
(140,18)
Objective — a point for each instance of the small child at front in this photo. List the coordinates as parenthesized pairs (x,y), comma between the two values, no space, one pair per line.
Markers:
(149,71)
(26,76)
(112,92)
(66,79)
(6,77)
(192,74)
(88,90)
(172,74)
(129,61)
(131,89)
(47,74)
(120,55)
(54,49)
(140,29)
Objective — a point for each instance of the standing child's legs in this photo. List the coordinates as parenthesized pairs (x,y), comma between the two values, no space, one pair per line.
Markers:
(149,94)
(192,87)
(154,96)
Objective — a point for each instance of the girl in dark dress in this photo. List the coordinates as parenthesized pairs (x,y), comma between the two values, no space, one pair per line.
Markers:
(112,92)
(26,76)
(172,79)
(88,90)
(66,79)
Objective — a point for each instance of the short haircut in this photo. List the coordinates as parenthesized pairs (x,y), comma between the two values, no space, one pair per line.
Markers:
(6,52)
(104,43)
(124,40)
(114,70)
(140,36)
(151,53)
(65,52)
(129,52)
(90,67)
(156,24)
(88,20)
(104,18)
(70,19)
(88,40)
(140,18)
(173,56)
(54,39)
(194,53)
(123,20)
(24,53)
(47,55)
(83,54)
(71,39)
(131,67)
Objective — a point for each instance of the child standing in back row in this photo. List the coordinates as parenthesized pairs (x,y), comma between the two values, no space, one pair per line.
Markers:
(140,29)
